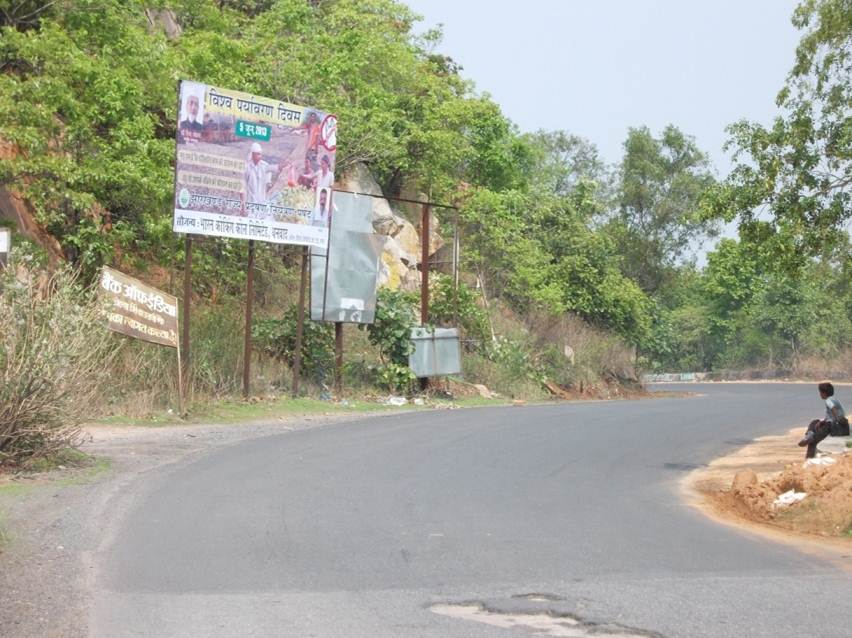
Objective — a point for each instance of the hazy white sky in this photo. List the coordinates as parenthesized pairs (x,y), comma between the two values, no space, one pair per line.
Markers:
(595,68)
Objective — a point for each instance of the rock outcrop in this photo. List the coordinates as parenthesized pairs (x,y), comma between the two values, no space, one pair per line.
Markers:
(402,253)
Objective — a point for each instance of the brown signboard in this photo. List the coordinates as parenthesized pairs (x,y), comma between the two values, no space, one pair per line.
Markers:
(137,310)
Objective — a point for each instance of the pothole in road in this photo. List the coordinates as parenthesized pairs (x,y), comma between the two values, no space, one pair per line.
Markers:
(540,598)
(538,623)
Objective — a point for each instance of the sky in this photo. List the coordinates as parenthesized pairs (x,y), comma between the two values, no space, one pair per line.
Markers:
(597,67)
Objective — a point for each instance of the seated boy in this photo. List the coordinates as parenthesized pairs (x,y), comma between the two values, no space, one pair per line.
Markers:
(835,422)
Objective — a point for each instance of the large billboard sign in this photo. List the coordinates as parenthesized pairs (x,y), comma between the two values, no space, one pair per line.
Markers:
(251,167)
(138,310)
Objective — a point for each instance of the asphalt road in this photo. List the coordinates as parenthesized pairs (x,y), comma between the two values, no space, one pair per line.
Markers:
(356,530)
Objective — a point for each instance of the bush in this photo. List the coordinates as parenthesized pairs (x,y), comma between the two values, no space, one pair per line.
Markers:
(54,361)
(391,330)
(391,333)
(459,308)
(277,337)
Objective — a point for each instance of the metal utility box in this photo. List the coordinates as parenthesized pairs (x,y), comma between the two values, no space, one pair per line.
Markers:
(436,352)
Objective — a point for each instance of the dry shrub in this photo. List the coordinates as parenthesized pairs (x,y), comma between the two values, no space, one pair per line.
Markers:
(531,350)
(54,360)
(146,376)
(597,354)
(815,367)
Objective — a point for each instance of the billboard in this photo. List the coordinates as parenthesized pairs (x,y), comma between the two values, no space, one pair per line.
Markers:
(137,310)
(344,277)
(250,167)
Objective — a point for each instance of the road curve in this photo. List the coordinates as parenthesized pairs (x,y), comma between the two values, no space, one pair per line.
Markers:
(357,529)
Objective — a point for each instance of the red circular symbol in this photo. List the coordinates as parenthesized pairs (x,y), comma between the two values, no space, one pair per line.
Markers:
(328,132)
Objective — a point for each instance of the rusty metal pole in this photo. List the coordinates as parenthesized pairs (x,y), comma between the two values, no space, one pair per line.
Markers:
(424,277)
(187,303)
(338,359)
(424,265)
(456,243)
(300,323)
(249,303)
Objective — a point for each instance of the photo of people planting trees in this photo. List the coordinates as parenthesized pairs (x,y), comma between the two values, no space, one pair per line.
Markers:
(389,318)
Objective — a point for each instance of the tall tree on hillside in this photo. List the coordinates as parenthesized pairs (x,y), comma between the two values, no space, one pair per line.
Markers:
(562,160)
(656,220)
(797,173)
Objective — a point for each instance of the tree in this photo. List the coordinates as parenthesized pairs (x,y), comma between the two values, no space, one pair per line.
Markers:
(656,221)
(562,160)
(797,173)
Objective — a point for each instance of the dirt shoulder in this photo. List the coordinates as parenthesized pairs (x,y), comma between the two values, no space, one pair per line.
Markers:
(741,489)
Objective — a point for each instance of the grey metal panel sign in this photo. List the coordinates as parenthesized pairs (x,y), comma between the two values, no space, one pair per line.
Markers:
(5,245)
(344,278)
(436,352)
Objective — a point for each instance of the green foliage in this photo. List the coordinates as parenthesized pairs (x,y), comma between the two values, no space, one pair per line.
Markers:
(277,337)
(391,333)
(657,221)
(391,330)
(563,160)
(394,377)
(83,104)
(217,347)
(541,250)
(743,311)
(459,308)
(518,359)
(798,171)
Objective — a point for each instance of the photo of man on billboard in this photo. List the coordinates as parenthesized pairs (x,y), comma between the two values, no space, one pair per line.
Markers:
(191,124)
(259,177)
(322,211)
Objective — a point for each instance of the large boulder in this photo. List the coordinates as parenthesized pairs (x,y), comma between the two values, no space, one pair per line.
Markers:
(411,280)
(165,21)
(358,179)
(409,243)
(385,222)
(393,270)
(400,222)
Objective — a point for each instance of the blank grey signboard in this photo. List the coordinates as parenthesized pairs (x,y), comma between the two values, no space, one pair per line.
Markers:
(344,278)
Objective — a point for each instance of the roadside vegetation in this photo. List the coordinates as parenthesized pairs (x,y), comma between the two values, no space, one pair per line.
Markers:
(576,276)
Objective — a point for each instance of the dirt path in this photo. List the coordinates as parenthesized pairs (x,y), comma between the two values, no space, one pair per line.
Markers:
(726,491)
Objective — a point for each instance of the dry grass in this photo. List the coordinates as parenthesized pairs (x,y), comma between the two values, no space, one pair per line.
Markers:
(54,362)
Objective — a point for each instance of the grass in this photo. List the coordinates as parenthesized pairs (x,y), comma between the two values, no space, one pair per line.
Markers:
(68,467)
(5,536)
(68,457)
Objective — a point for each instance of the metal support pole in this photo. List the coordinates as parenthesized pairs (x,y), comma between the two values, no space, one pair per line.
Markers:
(180,384)
(424,265)
(456,244)
(187,303)
(249,303)
(338,359)
(300,323)
(424,277)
